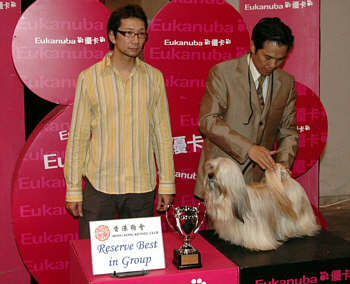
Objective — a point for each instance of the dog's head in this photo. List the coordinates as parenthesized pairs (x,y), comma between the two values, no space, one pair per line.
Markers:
(225,186)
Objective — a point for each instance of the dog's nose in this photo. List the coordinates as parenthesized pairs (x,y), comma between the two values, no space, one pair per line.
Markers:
(210,175)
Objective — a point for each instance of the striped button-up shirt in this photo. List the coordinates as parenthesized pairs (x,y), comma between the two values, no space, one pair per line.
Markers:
(118,129)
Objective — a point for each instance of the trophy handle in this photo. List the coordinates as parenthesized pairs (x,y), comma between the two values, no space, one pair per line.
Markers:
(203,217)
(167,218)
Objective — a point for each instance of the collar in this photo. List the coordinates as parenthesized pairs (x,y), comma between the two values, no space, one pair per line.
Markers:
(107,64)
(255,73)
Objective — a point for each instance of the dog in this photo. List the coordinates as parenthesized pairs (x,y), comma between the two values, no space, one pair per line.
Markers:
(259,216)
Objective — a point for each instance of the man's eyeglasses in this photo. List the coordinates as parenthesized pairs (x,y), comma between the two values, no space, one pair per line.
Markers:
(130,34)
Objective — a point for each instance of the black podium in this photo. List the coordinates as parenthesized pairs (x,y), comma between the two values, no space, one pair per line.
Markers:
(321,259)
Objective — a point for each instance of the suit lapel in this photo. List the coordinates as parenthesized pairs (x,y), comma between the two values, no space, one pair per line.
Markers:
(274,85)
(247,84)
(255,98)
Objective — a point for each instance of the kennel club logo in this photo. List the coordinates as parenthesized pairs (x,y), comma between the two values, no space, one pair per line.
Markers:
(102,233)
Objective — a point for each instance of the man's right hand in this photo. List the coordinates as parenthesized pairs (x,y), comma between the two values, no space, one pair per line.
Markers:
(75,208)
(262,156)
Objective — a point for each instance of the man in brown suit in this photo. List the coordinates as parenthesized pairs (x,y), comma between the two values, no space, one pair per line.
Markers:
(251,124)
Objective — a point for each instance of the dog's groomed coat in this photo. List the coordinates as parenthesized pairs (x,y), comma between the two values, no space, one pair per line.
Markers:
(258,216)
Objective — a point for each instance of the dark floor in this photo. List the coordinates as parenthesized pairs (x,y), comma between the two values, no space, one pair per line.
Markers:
(337,217)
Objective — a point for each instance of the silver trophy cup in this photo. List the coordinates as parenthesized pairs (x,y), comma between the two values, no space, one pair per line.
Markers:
(186,220)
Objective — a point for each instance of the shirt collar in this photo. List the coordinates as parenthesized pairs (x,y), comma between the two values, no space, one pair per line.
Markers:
(255,73)
(107,64)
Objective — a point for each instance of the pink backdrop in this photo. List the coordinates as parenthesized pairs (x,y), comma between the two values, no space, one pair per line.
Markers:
(184,44)
(53,43)
(11,142)
(303,17)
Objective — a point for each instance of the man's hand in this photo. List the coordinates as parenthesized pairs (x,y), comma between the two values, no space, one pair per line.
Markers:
(262,156)
(286,168)
(75,208)
(164,200)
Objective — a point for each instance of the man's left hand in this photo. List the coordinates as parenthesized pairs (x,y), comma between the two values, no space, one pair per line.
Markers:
(164,200)
(286,168)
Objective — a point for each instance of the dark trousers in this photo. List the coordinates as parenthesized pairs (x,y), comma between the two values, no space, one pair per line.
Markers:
(101,206)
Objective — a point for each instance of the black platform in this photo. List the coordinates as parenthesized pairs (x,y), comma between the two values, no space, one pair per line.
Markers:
(321,259)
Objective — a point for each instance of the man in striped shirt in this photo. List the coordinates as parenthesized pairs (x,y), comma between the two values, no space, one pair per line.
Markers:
(120,126)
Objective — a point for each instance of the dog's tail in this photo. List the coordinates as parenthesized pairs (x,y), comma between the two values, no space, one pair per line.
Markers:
(277,191)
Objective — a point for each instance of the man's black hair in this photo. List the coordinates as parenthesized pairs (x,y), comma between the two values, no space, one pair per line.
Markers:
(272,29)
(129,11)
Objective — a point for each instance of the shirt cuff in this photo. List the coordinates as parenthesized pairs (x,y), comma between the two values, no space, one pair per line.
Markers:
(74,195)
(166,188)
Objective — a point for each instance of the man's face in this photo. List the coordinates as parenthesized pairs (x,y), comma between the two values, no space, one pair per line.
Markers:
(269,57)
(129,46)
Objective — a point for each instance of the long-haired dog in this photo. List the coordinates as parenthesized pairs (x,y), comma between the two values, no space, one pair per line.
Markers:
(258,216)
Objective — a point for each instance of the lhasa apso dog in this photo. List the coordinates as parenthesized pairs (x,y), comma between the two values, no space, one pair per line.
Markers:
(258,216)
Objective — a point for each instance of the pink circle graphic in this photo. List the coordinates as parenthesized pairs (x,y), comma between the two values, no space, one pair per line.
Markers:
(52,44)
(54,41)
(41,223)
(186,38)
(312,125)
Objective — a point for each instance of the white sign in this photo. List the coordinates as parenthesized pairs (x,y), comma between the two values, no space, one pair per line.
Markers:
(126,245)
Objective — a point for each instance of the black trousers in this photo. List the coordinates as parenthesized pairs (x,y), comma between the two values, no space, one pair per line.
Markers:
(101,206)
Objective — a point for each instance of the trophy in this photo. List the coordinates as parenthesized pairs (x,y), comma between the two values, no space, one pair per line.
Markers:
(186,220)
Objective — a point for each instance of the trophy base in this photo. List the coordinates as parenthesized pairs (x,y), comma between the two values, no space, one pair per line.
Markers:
(186,261)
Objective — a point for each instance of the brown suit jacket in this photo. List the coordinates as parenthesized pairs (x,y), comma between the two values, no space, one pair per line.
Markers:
(224,121)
